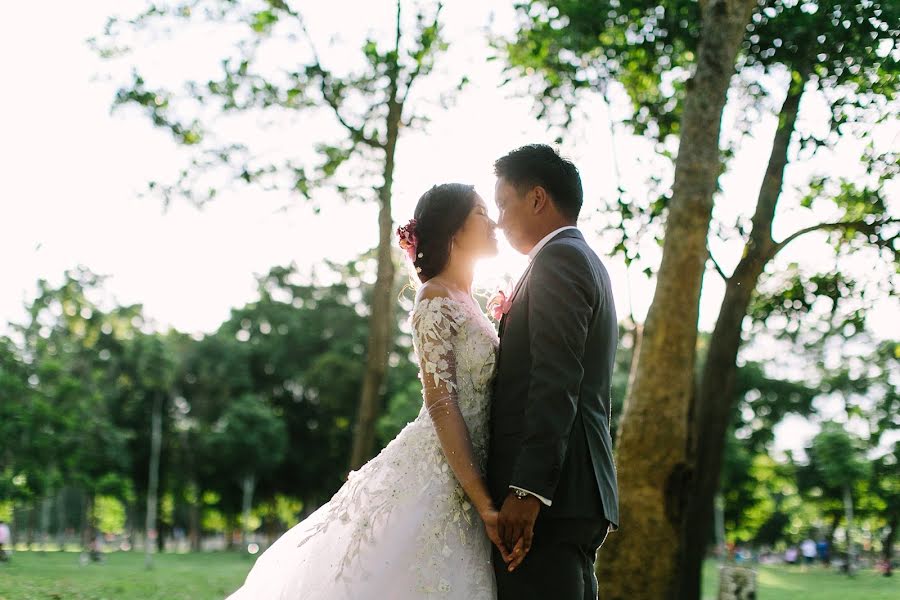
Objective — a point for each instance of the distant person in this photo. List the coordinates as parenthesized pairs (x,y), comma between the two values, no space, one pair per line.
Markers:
(808,548)
(791,555)
(5,538)
(94,548)
(822,551)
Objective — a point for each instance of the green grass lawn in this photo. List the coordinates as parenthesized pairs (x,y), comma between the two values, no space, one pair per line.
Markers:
(121,576)
(211,576)
(816,583)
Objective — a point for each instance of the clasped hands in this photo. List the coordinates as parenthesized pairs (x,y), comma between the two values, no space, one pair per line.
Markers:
(511,528)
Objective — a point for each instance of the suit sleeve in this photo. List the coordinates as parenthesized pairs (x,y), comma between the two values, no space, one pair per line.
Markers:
(561,297)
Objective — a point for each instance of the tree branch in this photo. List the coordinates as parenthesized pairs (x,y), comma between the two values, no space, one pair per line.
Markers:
(420,63)
(398,33)
(356,133)
(863,226)
(716,265)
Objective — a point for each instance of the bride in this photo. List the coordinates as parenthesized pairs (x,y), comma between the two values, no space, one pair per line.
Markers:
(417,520)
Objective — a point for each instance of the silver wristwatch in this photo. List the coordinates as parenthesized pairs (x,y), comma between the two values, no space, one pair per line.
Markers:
(521,495)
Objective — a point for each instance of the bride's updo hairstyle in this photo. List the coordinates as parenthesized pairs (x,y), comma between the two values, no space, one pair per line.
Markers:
(440,213)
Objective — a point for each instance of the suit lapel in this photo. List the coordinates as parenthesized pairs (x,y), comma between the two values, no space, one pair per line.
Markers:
(514,294)
(521,282)
(562,234)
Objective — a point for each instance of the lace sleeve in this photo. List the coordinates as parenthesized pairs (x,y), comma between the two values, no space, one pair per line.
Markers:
(436,324)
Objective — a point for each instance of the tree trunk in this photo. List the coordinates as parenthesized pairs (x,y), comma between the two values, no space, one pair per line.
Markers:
(720,524)
(135,533)
(229,532)
(272,526)
(160,524)
(45,521)
(194,518)
(832,535)
(193,495)
(642,561)
(715,402)
(248,484)
(30,527)
(736,583)
(381,321)
(848,515)
(153,482)
(887,550)
(87,524)
(61,519)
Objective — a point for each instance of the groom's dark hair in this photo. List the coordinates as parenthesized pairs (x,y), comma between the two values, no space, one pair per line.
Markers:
(539,164)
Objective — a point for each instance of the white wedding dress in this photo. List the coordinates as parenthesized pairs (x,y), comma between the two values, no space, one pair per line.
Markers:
(401,527)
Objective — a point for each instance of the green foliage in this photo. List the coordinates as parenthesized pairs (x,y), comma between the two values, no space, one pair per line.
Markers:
(249,437)
(649,49)
(837,465)
(764,402)
(18,418)
(845,51)
(570,46)
(273,391)
(817,306)
(884,486)
(850,47)
(760,495)
(65,427)
(837,458)
(867,385)
(770,500)
(403,406)
(863,204)
(360,102)
(110,514)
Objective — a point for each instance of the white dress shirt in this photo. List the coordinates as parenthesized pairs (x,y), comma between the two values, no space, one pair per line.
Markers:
(534,252)
(540,245)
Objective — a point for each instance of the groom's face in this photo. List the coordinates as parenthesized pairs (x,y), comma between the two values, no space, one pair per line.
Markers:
(516,216)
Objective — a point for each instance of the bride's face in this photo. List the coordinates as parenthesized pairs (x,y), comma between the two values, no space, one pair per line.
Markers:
(477,236)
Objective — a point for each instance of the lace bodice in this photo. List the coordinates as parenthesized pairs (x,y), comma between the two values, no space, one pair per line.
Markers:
(456,346)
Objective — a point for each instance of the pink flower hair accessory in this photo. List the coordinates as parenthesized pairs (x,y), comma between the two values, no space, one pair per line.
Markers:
(409,240)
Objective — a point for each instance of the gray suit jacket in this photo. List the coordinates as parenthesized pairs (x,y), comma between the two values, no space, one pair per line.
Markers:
(550,414)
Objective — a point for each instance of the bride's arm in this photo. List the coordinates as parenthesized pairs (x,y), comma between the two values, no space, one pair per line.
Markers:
(433,326)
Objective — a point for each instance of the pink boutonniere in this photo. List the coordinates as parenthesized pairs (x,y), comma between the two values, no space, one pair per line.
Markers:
(499,304)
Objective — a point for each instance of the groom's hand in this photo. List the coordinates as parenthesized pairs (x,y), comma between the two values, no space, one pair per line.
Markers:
(516,525)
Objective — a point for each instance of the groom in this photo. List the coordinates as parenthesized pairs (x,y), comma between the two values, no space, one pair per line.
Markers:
(550,464)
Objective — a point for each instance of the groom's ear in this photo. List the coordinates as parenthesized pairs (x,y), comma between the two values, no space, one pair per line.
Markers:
(539,198)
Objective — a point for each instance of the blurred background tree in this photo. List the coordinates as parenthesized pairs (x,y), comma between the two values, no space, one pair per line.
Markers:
(369,105)
(649,53)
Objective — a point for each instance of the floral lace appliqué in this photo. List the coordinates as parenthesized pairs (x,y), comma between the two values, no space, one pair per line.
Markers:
(456,345)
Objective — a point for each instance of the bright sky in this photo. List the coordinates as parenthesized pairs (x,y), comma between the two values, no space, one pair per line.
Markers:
(72,171)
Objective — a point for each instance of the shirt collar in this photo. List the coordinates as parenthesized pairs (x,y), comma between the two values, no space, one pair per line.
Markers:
(539,246)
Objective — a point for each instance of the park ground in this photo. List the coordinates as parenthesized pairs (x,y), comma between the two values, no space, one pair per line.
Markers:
(211,576)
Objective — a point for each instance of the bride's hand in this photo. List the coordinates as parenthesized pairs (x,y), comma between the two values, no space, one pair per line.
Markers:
(489,518)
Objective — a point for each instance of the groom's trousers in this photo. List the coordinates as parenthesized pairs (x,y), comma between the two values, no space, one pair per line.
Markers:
(560,565)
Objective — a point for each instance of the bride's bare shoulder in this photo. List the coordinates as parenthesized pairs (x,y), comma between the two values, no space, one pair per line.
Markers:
(432,289)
